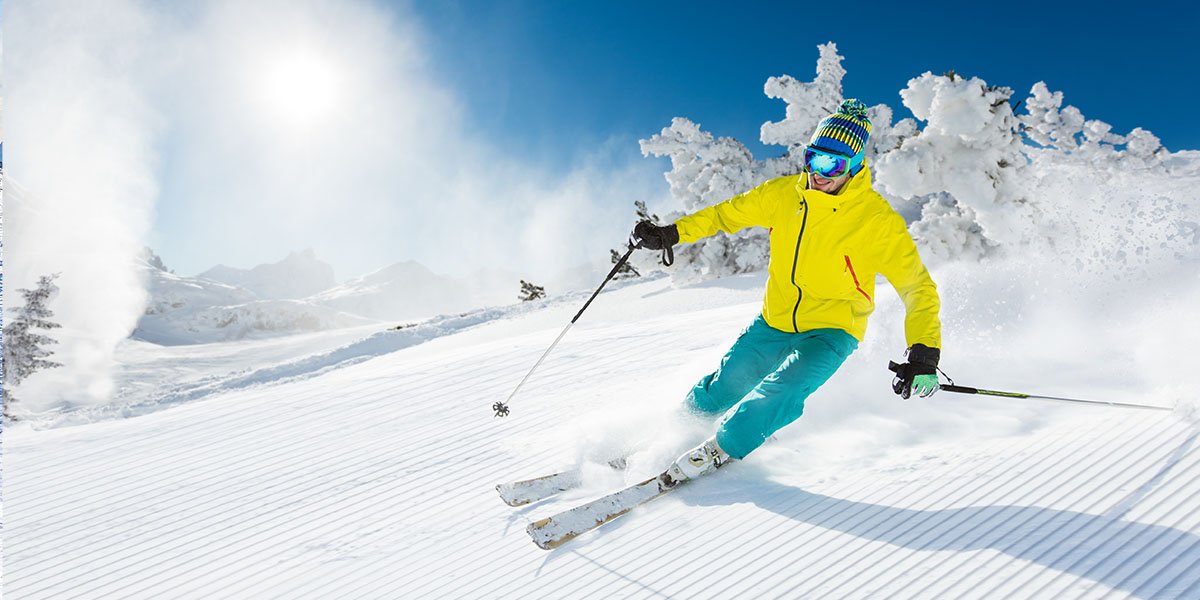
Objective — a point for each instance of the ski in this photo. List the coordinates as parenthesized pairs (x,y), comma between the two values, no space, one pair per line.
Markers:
(520,493)
(551,532)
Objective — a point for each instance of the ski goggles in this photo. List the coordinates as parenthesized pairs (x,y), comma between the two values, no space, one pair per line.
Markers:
(824,163)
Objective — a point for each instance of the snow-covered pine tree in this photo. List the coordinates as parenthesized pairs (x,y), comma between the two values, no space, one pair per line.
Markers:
(1108,176)
(153,260)
(807,103)
(1051,126)
(643,213)
(975,180)
(530,292)
(706,170)
(25,350)
(964,174)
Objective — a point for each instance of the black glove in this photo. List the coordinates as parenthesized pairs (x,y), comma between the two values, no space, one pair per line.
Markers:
(922,360)
(654,237)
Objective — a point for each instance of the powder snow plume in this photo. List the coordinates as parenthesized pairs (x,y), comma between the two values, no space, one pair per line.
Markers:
(79,201)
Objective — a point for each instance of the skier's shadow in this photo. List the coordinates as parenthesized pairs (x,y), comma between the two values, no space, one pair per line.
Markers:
(1137,558)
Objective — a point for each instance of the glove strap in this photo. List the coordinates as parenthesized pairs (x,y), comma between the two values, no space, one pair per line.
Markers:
(922,354)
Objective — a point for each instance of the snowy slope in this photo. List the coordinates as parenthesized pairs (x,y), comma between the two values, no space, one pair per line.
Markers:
(375,479)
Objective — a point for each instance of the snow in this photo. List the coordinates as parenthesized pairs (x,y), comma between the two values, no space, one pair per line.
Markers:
(360,460)
(299,274)
(362,463)
(295,295)
(197,310)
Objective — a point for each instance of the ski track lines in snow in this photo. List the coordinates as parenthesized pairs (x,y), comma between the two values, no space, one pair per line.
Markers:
(867,521)
(376,481)
(194,441)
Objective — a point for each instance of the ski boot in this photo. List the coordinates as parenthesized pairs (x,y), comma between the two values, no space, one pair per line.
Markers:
(697,462)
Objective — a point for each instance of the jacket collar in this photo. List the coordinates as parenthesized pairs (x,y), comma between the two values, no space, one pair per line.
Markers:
(850,193)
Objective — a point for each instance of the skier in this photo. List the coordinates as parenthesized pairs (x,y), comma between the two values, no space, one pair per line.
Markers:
(830,235)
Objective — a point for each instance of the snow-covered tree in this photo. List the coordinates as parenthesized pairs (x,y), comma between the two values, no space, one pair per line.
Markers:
(706,170)
(25,351)
(807,101)
(979,179)
(643,213)
(964,172)
(1066,130)
(530,292)
(972,177)
(153,260)
(885,135)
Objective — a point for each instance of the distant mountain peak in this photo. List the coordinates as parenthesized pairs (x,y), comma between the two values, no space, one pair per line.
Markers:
(401,290)
(298,275)
(305,254)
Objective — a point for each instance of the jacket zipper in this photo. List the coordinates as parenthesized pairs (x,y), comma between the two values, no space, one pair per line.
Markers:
(855,277)
(795,262)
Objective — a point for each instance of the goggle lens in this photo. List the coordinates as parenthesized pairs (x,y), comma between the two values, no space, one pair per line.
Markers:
(825,164)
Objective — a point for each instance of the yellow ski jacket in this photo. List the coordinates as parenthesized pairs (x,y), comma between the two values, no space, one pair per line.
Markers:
(825,253)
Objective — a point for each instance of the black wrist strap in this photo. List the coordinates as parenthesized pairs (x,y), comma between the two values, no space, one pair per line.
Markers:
(922,354)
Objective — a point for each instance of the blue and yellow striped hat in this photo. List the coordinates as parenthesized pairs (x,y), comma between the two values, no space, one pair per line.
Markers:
(845,132)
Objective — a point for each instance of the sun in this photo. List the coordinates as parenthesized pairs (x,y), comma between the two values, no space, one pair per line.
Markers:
(299,87)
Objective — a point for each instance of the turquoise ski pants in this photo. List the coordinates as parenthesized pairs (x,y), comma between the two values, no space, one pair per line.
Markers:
(767,374)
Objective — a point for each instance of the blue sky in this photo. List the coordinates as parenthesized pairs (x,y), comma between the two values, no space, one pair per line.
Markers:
(552,78)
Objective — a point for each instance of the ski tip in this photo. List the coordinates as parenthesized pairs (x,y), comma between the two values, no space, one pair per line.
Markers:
(541,538)
(505,495)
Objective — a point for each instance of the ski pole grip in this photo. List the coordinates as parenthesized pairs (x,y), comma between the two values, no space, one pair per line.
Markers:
(959,388)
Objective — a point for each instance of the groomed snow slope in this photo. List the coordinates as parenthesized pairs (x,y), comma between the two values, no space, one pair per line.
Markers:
(375,480)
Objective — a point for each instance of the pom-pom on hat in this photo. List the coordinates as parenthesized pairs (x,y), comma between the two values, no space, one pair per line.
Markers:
(845,132)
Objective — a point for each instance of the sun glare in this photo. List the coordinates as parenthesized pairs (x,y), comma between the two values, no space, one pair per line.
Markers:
(300,87)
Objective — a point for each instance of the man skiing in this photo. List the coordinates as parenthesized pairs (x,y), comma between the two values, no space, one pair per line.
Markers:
(830,235)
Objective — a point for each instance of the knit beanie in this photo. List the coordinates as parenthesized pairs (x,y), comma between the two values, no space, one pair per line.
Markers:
(845,132)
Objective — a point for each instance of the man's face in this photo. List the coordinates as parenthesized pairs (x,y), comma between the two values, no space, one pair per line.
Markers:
(825,184)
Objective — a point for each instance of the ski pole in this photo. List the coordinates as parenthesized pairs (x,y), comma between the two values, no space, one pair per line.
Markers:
(959,389)
(962,389)
(501,408)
